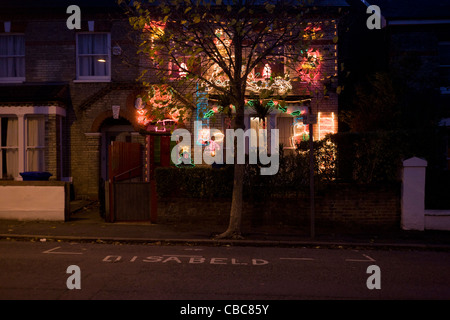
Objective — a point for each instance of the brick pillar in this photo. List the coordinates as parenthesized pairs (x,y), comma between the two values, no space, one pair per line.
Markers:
(53,154)
(92,158)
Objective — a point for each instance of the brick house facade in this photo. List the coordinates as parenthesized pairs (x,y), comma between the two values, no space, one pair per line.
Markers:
(52,74)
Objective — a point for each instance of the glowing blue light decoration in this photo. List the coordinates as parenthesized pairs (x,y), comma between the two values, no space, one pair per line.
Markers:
(202,109)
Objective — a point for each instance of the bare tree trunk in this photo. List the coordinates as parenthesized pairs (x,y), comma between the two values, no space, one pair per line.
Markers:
(238,90)
(234,227)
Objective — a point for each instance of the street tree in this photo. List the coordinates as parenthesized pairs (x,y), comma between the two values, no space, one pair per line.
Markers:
(211,48)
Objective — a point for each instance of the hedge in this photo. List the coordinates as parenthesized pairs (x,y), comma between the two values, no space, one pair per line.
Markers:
(368,158)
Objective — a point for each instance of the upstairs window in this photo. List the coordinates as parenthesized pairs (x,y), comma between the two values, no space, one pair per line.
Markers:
(269,68)
(184,67)
(12,58)
(444,67)
(93,56)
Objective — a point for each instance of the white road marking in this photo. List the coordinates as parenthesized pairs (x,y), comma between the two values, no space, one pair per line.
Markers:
(300,259)
(369,259)
(181,255)
(52,251)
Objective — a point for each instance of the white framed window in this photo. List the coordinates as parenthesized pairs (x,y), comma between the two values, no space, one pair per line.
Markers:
(12,58)
(35,145)
(9,145)
(93,56)
(9,148)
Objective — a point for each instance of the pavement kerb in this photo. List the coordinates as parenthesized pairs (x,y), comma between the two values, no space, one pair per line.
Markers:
(225,242)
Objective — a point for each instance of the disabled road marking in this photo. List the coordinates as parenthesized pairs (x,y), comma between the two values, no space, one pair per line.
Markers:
(186,259)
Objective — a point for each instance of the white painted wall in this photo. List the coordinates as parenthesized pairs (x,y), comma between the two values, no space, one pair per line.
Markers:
(437,220)
(413,194)
(32,202)
(414,215)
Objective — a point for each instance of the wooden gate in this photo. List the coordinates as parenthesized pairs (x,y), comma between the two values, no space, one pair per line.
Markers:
(129,195)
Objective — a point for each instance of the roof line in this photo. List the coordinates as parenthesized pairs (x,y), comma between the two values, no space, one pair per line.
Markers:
(418,22)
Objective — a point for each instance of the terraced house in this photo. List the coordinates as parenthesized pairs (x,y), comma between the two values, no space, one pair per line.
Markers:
(67,93)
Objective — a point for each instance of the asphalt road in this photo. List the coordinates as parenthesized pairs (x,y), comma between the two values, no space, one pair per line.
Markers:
(39,270)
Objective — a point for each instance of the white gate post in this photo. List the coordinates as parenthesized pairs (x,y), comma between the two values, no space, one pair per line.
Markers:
(413,194)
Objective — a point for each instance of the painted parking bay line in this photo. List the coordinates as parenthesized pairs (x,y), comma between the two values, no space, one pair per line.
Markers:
(54,251)
(368,259)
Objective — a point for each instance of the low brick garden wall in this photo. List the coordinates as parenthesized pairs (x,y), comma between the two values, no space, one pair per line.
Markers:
(338,205)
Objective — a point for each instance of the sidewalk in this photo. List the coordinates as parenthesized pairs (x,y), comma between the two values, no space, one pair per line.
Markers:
(86,225)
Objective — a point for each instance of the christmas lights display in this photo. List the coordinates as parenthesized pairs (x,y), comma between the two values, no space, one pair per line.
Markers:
(326,124)
(267,71)
(310,66)
(184,159)
(300,133)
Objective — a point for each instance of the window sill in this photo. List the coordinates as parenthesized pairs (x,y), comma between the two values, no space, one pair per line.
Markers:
(91,80)
(11,80)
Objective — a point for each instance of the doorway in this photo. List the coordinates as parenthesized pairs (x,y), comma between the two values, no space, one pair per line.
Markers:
(112,130)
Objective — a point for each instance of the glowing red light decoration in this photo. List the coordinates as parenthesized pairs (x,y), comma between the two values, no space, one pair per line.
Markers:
(310,66)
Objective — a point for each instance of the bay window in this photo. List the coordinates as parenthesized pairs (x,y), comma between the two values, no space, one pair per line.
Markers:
(12,154)
(9,150)
(35,146)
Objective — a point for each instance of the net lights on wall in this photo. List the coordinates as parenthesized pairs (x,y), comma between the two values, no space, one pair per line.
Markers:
(326,124)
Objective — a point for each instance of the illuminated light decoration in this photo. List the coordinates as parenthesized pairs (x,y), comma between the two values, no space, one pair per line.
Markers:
(280,84)
(164,125)
(310,66)
(203,137)
(174,114)
(155,29)
(142,117)
(160,96)
(213,147)
(184,156)
(311,32)
(327,159)
(300,133)
(202,123)
(209,114)
(221,40)
(267,71)
(182,69)
(217,78)
(325,125)
(218,136)
(270,104)
(296,113)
